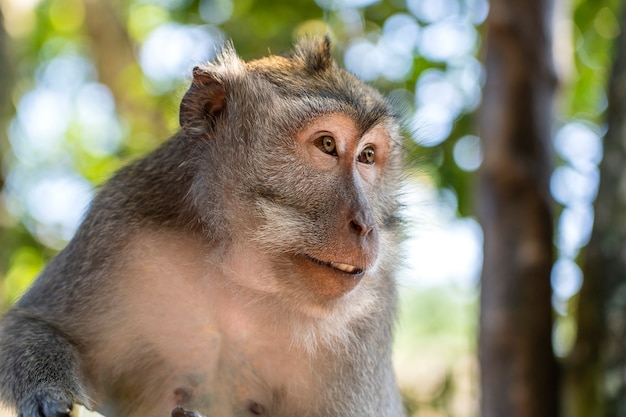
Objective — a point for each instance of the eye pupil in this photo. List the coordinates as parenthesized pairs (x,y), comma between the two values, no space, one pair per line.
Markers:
(329,144)
(367,155)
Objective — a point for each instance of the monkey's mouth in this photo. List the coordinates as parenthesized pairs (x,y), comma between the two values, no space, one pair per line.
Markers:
(352,270)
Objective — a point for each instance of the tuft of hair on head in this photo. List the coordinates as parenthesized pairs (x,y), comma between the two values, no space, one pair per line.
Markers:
(227,60)
(314,53)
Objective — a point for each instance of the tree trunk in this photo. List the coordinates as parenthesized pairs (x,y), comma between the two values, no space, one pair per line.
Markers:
(113,53)
(518,368)
(597,364)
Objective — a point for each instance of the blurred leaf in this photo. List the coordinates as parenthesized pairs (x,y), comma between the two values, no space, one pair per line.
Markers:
(24,266)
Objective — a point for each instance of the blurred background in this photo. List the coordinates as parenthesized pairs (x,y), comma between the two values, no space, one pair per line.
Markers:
(88,85)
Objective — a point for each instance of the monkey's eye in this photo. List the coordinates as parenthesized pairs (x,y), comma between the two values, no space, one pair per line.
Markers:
(327,145)
(367,155)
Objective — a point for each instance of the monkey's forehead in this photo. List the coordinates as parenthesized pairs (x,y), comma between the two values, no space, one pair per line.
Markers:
(307,80)
(333,90)
(308,70)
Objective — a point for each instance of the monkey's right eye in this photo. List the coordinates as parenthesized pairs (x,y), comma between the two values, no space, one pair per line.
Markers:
(327,145)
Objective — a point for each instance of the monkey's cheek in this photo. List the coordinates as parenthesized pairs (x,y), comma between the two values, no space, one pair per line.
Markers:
(325,282)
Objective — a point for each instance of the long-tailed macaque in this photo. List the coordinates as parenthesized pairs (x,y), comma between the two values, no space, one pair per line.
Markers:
(243,268)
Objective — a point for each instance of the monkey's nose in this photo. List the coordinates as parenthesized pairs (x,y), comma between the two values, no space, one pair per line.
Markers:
(360,228)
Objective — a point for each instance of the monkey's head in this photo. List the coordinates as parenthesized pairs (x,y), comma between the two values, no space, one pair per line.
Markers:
(298,162)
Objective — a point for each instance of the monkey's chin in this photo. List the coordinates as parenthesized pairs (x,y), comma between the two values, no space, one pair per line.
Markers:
(328,279)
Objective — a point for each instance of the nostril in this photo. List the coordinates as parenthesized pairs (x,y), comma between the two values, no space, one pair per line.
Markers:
(356,227)
(359,228)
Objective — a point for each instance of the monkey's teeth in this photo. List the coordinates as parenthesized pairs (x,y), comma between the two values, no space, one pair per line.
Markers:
(344,267)
(348,269)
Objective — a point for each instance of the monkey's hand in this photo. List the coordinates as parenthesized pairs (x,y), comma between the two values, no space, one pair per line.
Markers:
(53,405)
(181,412)
(49,403)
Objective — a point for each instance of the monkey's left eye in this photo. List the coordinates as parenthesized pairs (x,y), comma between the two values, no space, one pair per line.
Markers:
(327,145)
(367,155)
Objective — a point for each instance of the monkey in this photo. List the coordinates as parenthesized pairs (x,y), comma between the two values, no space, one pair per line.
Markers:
(243,268)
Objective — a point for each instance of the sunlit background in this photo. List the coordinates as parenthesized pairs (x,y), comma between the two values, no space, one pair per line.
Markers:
(71,129)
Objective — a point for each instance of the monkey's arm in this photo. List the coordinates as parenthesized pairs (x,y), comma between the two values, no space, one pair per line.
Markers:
(40,367)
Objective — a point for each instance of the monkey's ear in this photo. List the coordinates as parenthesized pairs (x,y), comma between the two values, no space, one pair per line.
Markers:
(315,53)
(202,104)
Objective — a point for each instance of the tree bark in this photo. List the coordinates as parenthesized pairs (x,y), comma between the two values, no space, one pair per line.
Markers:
(596,367)
(114,56)
(518,368)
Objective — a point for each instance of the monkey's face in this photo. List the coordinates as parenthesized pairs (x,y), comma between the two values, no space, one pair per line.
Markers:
(319,204)
(344,163)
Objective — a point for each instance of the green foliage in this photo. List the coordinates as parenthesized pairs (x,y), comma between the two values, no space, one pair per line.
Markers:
(25,264)
(595,26)
(434,351)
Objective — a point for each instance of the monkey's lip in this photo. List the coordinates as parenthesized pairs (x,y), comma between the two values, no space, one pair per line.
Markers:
(352,270)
